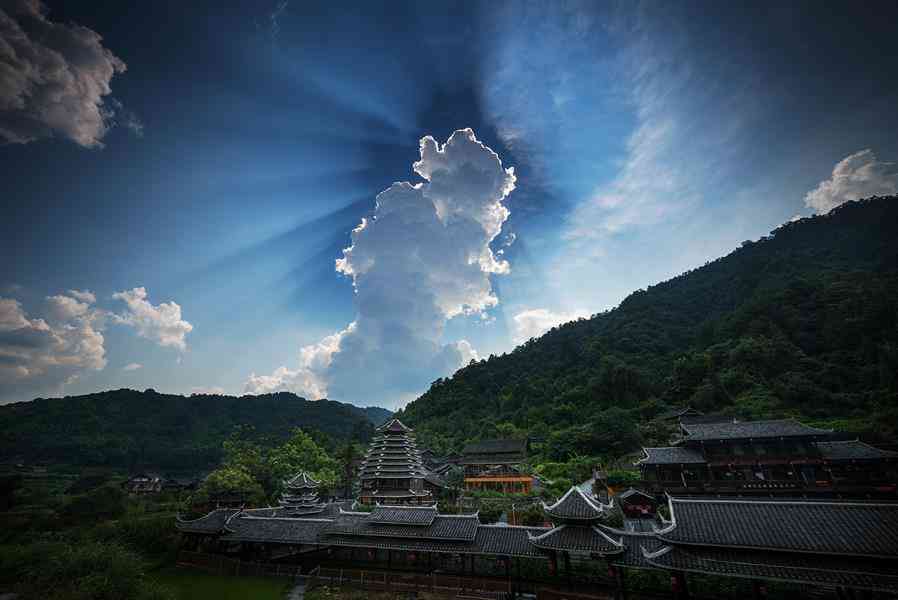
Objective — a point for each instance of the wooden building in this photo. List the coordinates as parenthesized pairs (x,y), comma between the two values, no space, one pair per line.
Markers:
(780,457)
(826,544)
(496,465)
(392,471)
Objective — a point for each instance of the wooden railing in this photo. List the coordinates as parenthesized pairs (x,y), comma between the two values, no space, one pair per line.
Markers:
(223,565)
(473,587)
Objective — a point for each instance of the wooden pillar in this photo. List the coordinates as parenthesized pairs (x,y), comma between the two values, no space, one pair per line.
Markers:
(678,585)
(619,583)
(389,559)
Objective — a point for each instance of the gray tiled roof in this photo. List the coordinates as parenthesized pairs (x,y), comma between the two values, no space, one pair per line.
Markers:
(575,506)
(403,515)
(504,540)
(578,539)
(852,450)
(633,542)
(210,523)
(492,459)
(244,528)
(499,446)
(750,429)
(672,455)
(845,528)
(829,571)
(633,492)
(443,527)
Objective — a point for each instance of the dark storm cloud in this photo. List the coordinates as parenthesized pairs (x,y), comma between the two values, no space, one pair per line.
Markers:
(53,78)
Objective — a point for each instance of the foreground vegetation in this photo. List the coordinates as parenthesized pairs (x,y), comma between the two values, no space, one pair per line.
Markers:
(188,584)
(802,323)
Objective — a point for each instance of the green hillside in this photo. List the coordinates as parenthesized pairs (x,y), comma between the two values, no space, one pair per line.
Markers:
(130,429)
(803,322)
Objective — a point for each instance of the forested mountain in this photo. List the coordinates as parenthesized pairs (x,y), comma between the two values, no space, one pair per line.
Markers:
(803,322)
(130,429)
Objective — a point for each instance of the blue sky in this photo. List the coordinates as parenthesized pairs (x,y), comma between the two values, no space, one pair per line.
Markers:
(179,180)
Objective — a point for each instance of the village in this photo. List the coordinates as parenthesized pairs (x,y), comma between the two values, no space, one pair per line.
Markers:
(766,505)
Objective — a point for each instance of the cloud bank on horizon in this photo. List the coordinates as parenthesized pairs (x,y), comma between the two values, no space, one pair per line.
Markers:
(54,78)
(44,354)
(423,258)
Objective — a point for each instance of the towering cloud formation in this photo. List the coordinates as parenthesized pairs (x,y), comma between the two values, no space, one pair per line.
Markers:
(421,259)
(53,78)
(859,175)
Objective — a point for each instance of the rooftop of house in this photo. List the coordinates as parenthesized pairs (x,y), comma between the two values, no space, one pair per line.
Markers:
(736,430)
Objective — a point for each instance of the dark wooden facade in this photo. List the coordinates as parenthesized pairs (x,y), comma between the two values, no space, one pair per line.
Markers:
(783,458)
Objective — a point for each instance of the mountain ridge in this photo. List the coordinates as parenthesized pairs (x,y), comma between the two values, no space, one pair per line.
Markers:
(800,323)
(134,429)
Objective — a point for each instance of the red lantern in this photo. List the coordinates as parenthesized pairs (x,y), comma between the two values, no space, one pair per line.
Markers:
(674,584)
(370,554)
(411,556)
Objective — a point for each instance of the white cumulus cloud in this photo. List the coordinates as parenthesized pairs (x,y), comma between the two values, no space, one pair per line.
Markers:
(859,175)
(53,78)
(421,259)
(161,323)
(534,322)
(43,354)
(132,367)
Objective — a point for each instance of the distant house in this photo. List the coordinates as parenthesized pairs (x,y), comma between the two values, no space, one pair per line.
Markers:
(143,483)
(677,413)
(496,465)
(179,484)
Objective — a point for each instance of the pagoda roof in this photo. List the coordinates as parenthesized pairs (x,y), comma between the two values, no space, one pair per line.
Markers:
(575,506)
(672,455)
(819,527)
(394,426)
(852,450)
(578,540)
(736,430)
(302,480)
(815,570)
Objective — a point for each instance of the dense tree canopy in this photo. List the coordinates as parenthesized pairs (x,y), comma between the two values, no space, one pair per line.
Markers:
(803,322)
(130,429)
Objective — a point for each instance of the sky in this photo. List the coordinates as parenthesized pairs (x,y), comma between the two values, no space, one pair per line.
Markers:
(352,200)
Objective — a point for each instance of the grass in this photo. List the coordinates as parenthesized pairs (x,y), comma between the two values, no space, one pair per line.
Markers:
(189,584)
